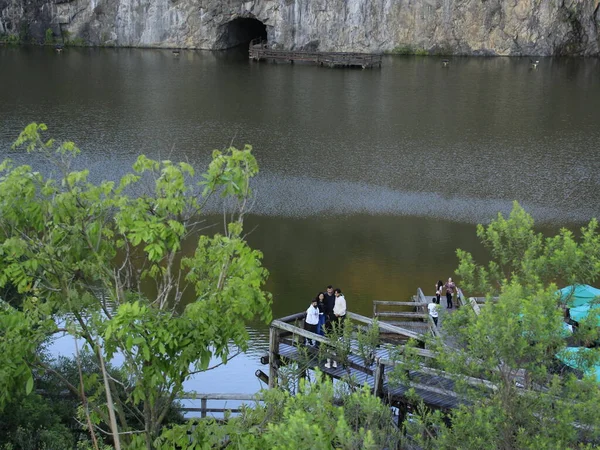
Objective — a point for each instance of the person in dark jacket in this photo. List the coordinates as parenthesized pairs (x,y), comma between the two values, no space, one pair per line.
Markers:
(329,304)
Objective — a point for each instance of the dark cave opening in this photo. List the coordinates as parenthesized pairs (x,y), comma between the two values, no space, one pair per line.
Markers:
(240,32)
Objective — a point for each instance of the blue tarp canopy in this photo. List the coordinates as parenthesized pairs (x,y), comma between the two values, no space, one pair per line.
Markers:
(581,312)
(578,295)
(572,357)
(580,299)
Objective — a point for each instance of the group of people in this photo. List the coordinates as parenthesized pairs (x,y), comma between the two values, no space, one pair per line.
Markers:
(433,306)
(326,309)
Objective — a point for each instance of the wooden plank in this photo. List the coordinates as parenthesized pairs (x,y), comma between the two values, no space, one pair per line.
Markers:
(300,332)
(425,353)
(432,327)
(273,352)
(292,317)
(394,303)
(379,374)
(475,305)
(405,314)
(386,327)
(216,396)
(210,410)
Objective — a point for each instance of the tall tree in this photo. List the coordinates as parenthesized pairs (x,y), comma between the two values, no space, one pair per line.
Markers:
(521,254)
(529,400)
(104,262)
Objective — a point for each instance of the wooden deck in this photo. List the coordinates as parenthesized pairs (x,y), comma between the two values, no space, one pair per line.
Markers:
(435,387)
(259,50)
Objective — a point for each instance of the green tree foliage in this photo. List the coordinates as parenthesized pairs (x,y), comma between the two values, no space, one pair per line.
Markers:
(105,264)
(32,422)
(528,400)
(317,417)
(518,253)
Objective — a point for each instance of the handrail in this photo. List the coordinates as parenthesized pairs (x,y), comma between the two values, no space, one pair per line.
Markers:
(203,397)
(292,317)
(219,396)
(423,368)
(386,326)
(460,300)
(378,303)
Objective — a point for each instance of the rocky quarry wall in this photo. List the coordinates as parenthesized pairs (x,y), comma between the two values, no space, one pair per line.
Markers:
(480,27)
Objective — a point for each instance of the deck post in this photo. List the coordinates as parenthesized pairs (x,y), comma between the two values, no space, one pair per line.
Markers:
(273,352)
(379,374)
(203,402)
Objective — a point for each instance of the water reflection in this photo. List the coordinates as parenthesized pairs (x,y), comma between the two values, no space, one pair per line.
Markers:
(484,131)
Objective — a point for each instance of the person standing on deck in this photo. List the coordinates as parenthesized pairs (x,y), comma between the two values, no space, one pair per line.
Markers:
(339,313)
(450,289)
(322,313)
(339,309)
(438,291)
(433,310)
(312,320)
(329,304)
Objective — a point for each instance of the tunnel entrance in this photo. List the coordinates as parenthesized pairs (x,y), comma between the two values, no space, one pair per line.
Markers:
(240,32)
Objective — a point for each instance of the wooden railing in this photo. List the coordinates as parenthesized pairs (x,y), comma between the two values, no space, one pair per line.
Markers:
(282,329)
(239,399)
(419,304)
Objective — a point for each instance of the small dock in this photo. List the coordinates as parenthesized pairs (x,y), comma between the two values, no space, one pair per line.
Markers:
(259,50)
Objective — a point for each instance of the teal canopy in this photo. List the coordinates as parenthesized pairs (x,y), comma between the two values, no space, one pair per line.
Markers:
(578,295)
(572,356)
(580,299)
(580,312)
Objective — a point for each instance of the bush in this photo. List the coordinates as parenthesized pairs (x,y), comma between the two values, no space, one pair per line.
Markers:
(49,39)
(10,39)
(409,50)
(76,42)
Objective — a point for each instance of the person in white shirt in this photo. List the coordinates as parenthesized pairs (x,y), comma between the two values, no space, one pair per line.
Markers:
(433,310)
(339,309)
(312,320)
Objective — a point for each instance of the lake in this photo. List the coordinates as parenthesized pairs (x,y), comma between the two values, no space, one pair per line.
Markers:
(370,179)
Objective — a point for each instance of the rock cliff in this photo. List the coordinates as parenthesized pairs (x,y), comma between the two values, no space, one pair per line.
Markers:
(481,27)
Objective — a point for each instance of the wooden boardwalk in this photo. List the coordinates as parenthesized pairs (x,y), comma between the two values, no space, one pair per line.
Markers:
(435,387)
(259,50)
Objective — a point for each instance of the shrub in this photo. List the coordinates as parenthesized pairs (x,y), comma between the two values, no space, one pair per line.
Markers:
(49,39)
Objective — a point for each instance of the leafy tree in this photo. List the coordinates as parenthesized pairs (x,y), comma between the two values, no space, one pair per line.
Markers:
(32,422)
(317,417)
(519,253)
(105,263)
(529,400)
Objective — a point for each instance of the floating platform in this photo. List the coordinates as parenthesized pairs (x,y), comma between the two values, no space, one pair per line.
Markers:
(259,50)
